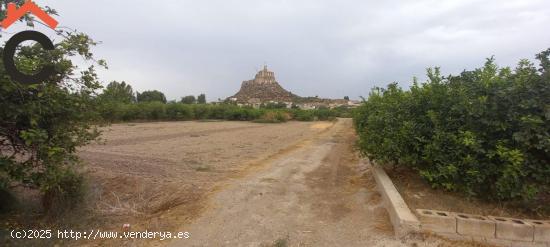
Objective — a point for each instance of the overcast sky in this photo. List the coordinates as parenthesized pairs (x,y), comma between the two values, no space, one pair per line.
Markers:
(326,48)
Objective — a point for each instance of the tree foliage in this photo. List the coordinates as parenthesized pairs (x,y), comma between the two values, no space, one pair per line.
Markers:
(484,132)
(190,99)
(273,105)
(119,92)
(42,124)
(201,99)
(151,96)
(171,111)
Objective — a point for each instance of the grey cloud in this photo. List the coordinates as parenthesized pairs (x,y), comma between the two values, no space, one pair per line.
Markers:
(325,48)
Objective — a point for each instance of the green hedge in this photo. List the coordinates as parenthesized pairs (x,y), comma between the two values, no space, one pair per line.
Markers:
(484,132)
(158,111)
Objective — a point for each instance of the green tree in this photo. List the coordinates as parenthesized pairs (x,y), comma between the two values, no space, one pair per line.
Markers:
(201,99)
(485,132)
(151,96)
(273,105)
(42,124)
(118,92)
(190,99)
(346,98)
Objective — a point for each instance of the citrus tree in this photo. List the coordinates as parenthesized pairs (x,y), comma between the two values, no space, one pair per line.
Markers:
(484,132)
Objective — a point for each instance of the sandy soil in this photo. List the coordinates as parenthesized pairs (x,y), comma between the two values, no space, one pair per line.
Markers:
(156,176)
(231,184)
(317,195)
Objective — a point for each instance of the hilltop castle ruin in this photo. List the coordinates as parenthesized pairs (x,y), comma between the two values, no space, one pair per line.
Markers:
(263,88)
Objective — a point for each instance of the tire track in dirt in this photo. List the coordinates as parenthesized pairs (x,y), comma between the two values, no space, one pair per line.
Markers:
(314,195)
(151,189)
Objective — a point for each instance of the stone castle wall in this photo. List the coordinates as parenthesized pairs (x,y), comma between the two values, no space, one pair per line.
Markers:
(264,88)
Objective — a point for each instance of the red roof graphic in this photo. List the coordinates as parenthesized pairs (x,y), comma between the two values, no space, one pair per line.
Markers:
(15,14)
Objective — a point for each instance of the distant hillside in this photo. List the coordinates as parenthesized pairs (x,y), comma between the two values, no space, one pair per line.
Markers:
(263,88)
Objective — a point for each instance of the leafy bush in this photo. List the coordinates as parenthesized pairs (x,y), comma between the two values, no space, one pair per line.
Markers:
(43,124)
(274,117)
(129,112)
(177,111)
(343,112)
(64,190)
(157,111)
(484,132)
(241,113)
(153,110)
(217,112)
(202,111)
(150,96)
(302,115)
(324,114)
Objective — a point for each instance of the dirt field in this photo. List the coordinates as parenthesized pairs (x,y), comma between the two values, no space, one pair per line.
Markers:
(232,184)
(317,194)
(156,175)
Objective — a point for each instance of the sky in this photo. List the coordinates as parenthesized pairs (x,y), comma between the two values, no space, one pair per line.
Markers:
(330,49)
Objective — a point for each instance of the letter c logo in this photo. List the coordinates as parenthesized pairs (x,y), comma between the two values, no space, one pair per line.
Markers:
(9,53)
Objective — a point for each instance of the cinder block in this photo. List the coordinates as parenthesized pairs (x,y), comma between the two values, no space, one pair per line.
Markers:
(437,221)
(500,242)
(475,225)
(513,229)
(542,230)
(477,239)
(527,244)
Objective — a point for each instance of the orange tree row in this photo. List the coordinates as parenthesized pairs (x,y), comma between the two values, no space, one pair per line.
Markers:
(484,132)
(176,111)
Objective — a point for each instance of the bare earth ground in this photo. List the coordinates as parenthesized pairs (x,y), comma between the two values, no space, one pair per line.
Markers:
(229,184)
(317,195)
(156,176)
(417,193)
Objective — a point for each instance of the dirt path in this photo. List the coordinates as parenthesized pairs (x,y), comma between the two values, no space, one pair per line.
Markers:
(317,195)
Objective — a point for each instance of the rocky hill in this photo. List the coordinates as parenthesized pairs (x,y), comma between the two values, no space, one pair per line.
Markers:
(263,88)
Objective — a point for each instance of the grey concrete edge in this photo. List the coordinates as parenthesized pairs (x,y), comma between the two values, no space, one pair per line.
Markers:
(404,221)
(402,218)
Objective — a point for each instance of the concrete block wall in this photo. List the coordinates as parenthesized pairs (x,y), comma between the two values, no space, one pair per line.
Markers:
(542,230)
(500,231)
(437,221)
(403,220)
